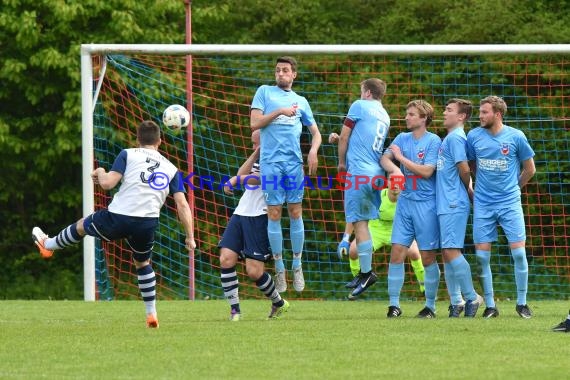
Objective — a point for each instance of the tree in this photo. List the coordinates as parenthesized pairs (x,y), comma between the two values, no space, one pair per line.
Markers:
(40,122)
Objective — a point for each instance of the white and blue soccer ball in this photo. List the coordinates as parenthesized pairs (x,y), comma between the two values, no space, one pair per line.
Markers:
(175,117)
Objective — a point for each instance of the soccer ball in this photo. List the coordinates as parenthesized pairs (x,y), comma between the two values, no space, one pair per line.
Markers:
(176,117)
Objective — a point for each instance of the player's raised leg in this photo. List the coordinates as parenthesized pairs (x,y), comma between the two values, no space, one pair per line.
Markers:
(69,236)
(364,249)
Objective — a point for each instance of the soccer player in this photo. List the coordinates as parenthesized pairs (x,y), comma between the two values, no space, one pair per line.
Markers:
(416,216)
(563,326)
(242,239)
(280,115)
(453,184)
(146,178)
(380,232)
(360,147)
(499,151)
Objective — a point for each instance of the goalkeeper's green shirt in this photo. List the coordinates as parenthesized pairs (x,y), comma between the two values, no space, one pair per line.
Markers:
(381,228)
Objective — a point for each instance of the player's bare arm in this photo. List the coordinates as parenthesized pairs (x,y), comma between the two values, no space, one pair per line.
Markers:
(425,171)
(386,161)
(244,172)
(312,158)
(527,172)
(107,181)
(343,147)
(258,120)
(465,175)
(185,217)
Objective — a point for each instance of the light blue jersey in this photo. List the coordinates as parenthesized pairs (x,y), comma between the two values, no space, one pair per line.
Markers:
(451,195)
(498,160)
(370,123)
(280,140)
(423,152)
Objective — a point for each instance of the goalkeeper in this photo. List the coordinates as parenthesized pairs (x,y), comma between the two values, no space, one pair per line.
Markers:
(381,233)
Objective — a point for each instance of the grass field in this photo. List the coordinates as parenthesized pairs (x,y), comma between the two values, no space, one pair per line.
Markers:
(314,340)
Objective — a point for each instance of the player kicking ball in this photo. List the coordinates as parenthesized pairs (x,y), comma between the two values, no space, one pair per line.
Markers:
(134,211)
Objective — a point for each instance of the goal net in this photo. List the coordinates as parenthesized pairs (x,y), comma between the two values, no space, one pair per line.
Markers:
(125,85)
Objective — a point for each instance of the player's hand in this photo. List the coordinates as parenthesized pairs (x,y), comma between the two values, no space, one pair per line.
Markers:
(313,162)
(396,152)
(289,111)
(228,189)
(230,185)
(95,175)
(190,243)
(343,249)
(333,138)
(341,168)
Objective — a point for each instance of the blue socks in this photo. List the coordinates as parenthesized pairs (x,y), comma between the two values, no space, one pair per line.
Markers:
(463,278)
(275,236)
(431,284)
(365,255)
(297,233)
(395,282)
(521,273)
(486,277)
(453,288)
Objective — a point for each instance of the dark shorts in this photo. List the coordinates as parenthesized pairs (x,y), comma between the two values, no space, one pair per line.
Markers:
(247,236)
(138,231)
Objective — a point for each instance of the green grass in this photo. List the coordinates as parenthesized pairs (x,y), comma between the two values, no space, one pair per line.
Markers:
(314,340)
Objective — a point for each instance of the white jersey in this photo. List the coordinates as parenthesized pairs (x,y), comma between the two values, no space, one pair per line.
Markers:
(148,178)
(252,202)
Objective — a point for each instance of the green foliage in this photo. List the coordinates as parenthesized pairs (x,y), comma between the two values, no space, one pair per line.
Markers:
(380,22)
(40,119)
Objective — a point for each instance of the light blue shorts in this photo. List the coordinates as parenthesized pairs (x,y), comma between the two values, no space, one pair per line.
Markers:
(452,229)
(361,203)
(510,218)
(416,220)
(282,182)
